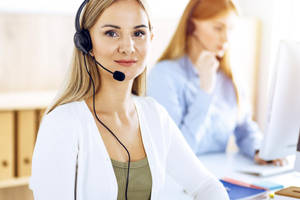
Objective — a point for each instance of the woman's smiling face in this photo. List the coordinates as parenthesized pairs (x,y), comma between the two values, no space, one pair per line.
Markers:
(121,38)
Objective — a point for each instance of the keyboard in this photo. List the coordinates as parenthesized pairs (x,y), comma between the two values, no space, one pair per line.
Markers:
(266,170)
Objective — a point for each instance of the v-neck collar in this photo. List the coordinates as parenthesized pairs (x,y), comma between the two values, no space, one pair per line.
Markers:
(147,140)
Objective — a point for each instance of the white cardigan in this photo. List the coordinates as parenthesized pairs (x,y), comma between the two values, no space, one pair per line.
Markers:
(69,139)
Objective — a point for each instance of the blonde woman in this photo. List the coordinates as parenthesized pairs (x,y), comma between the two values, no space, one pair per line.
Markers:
(102,139)
(194,82)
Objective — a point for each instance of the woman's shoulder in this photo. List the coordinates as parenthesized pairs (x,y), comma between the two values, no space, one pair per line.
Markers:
(64,110)
(168,67)
(224,77)
(151,107)
(167,74)
(59,128)
(145,102)
(63,116)
(225,82)
(157,117)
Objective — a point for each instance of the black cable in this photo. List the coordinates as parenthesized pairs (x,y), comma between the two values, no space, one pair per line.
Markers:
(94,109)
(93,57)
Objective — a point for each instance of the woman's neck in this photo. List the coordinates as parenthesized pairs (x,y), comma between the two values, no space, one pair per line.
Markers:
(113,96)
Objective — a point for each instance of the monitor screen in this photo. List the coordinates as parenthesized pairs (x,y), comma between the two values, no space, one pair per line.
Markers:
(297,162)
(283,117)
(298,145)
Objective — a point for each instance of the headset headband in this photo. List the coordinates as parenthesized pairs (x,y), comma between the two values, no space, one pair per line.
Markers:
(77,19)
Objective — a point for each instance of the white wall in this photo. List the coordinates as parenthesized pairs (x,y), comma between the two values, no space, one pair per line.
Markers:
(280,20)
(158,7)
(39,6)
(264,10)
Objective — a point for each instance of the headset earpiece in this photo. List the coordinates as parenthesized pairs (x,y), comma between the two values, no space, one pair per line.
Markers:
(82,40)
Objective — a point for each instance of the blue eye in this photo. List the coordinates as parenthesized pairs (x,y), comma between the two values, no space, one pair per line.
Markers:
(111,33)
(139,33)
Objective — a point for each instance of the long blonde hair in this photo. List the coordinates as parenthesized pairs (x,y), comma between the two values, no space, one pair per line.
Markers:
(77,85)
(198,9)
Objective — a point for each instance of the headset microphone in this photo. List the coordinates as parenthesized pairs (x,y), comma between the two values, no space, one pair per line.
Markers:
(117,75)
(120,76)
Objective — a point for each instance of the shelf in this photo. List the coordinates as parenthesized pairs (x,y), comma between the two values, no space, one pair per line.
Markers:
(14,182)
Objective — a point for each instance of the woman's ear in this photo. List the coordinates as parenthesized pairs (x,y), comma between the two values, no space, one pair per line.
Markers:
(191,26)
(91,53)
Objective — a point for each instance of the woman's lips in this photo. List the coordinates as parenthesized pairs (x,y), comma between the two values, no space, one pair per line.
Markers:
(220,48)
(126,63)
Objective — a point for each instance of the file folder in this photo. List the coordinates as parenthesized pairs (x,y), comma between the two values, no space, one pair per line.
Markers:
(7,140)
(41,114)
(26,133)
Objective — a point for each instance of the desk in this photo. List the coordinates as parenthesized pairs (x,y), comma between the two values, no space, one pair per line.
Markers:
(229,162)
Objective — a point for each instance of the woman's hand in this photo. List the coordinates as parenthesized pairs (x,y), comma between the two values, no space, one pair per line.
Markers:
(277,162)
(207,66)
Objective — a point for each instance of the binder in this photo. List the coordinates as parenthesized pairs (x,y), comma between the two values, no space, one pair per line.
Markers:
(7,140)
(26,133)
(40,115)
(236,191)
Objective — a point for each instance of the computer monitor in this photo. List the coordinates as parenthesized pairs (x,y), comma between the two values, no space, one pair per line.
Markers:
(283,118)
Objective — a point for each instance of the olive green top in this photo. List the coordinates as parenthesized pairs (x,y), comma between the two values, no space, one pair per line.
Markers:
(140,180)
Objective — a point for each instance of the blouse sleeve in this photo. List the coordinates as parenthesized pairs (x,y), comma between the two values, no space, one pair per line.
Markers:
(186,169)
(54,159)
(248,136)
(247,133)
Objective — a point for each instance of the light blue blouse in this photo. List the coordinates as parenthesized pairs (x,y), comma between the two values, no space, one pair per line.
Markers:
(206,120)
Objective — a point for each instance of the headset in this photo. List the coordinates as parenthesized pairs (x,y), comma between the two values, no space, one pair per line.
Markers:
(83,42)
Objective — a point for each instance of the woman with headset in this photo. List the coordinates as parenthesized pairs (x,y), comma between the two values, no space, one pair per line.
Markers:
(194,82)
(102,139)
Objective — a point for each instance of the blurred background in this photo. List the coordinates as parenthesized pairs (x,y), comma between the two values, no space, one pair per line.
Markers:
(36,43)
